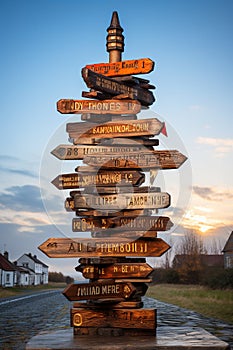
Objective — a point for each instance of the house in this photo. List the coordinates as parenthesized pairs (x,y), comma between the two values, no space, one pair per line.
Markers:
(38,271)
(228,252)
(8,271)
(207,260)
(23,275)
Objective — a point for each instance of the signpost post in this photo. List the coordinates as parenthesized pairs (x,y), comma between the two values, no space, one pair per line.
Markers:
(110,203)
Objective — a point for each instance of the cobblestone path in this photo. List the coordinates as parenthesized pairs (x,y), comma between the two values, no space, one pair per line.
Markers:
(22,318)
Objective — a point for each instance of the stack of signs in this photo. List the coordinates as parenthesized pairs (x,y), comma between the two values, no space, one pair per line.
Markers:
(110,202)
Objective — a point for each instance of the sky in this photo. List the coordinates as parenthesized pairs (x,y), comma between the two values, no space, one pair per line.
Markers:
(45,44)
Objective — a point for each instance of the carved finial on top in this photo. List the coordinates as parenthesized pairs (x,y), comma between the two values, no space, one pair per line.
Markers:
(115,39)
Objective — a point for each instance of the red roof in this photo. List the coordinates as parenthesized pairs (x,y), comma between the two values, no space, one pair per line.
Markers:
(5,264)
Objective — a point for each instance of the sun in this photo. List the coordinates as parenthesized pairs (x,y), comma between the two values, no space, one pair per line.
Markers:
(204,228)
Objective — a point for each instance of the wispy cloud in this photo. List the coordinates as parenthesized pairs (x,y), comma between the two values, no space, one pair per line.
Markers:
(221,146)
(22,172)
(213,194)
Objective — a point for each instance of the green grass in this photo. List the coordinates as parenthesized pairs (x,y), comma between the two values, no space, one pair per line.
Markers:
(11,291)
(216,303)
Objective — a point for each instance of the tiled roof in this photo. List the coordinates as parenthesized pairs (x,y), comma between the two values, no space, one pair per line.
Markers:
(5,264)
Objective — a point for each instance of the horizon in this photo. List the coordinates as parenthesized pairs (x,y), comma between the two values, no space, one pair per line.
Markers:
(44,49)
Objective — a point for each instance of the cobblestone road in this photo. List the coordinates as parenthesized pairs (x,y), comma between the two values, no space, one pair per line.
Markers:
(21,319)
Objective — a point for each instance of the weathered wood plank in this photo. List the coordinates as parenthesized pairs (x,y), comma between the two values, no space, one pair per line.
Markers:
(109,260)
(130,223)
(160,159)
(100,178)
(128,67)
(70,152)
(97,304)
(121,141)
(81,247)
(122,128)
(118,318)
(115,233)
(117,270)
(110,86)
(156,200)
(68,106)
(99,290)
(110,213)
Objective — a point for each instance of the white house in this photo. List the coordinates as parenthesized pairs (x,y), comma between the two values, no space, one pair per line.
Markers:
(8,272)
(38,271)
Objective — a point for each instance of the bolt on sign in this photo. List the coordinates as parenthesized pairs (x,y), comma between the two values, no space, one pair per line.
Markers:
(116,148)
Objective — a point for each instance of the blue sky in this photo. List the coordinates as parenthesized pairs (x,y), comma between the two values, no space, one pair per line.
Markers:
(44,45)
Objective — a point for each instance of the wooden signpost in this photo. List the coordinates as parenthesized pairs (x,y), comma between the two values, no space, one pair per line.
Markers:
(97,290)
(144,127)
(65,106)
(70,152)
(157,200)
(102,83)
(118,318)
(151,159)
(100,178)
(129,223)
(94,247)
(138,66)
(117,270)
(110,204)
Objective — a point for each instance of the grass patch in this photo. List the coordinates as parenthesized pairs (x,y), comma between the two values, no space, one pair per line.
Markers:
(11,291)
(216,303)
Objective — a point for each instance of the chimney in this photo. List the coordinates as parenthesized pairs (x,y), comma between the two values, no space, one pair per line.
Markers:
(6,255)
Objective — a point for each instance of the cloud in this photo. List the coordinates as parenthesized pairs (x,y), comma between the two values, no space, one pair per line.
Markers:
(10,166)
(221,146)
(212,194)
(20,198)
(23,172)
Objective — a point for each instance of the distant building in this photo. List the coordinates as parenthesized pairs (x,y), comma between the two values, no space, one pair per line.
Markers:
(207,260)
(37,270)
(228,252)
(8,271)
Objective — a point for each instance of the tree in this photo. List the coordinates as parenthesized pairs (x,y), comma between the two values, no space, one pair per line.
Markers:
(59,277)
(187,260)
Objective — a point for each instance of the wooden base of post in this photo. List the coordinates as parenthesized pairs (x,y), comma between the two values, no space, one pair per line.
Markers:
(113,321)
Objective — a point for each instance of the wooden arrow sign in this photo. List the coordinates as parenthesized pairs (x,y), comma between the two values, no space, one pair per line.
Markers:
(156,200)
(143,160)
(98,290)
(127,223)
(94,247)
(66,106)
(100,178)
(110,86)
(70,152)
(138,66)
(122,128)
(118,270)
